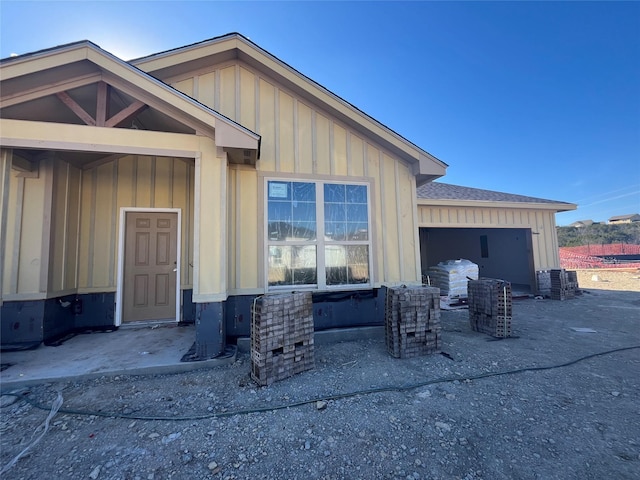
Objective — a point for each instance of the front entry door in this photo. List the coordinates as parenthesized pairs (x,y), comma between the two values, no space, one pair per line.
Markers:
(150,262)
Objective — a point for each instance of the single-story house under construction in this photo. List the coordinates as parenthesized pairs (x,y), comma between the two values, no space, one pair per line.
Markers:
(182,185)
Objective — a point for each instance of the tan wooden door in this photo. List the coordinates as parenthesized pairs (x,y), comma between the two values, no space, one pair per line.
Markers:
(150,256)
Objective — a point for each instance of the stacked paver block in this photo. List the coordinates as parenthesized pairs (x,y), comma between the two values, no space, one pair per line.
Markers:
(543,278)
(281,336)
(412,321)
(490,306)
(564,284)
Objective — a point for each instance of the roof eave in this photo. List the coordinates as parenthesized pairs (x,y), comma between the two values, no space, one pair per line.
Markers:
(555,206)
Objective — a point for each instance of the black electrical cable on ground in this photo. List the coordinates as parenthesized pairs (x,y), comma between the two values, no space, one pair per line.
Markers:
(339,396)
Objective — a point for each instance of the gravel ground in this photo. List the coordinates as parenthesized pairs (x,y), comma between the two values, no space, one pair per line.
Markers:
(435,419)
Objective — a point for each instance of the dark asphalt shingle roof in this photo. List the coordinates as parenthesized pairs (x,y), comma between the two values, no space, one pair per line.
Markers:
(446,191)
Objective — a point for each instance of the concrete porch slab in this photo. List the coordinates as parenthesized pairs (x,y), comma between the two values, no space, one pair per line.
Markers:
(143,349)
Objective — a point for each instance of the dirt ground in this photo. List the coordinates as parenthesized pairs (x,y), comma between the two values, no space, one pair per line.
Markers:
(610,279)
(558,400)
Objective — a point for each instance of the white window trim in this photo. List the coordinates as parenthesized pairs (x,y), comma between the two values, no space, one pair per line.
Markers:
(320,242)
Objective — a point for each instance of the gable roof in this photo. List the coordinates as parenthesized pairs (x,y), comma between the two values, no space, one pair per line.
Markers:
(631,216)
(437,193)
(234,46)
(36,77)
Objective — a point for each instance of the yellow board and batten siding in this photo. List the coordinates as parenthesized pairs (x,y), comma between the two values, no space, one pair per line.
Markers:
(130,181)
(302,141)
(540,221)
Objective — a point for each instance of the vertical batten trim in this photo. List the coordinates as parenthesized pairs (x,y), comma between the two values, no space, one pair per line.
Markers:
(296,141)
(416,230)
(196,87)
(396,174)
(134,182)
(385,262)
(314,143)
(5,180)
(236,106)
(365,158)
(196,225)
(65,226)
(171,176)
(76,280)
(152,186)
(216,90)
(92,226)
(17,237)
(276,124)
(45,255)
(238,233)
(256,90)
(114,222)
(332,146)
(349,159)
(224,167)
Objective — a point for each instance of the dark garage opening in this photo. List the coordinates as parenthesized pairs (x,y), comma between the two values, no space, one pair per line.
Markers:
(504,253)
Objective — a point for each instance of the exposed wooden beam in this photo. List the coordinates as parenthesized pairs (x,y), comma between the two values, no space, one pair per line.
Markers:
(102,104)
(75,108)
(125,114)
(50,89)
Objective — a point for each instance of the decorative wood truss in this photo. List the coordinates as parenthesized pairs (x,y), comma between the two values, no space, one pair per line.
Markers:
(102,106)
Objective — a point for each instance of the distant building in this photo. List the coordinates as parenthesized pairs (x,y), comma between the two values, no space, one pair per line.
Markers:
(634,217)
(582,223)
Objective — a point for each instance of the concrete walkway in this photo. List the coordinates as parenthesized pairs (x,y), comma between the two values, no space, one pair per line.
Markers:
(131,350)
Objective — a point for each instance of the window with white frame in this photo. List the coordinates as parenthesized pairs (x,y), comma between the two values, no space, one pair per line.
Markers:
(318,234)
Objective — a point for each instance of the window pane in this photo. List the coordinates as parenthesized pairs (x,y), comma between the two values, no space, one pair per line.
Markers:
(292,265)
(335,231)
(334,212)
(356,194)
(347,264)
(304,231)
(335,258)
(356,213)
(358,262)
(334,193)
(304,192)
(279,211)
(357,231)
(279,230)
(304,211)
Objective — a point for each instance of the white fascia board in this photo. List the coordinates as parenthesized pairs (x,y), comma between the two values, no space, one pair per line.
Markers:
(558,207)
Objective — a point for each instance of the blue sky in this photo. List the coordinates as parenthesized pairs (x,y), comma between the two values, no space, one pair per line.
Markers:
(533,98)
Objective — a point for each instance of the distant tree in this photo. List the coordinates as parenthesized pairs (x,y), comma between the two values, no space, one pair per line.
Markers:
(599,234)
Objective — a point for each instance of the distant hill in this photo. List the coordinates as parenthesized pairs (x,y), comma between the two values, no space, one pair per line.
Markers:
(599,234)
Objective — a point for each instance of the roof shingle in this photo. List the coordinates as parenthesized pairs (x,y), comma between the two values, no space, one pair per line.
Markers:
(446,191)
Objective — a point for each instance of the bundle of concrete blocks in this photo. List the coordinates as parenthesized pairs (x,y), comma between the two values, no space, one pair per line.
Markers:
(412,321)
(564,284)
(281,336)
(490,306)
(543,280)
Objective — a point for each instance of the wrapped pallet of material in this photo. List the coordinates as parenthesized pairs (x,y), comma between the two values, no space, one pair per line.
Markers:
(451,276)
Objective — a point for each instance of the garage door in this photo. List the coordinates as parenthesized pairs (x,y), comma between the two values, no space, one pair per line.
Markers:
(504,253)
